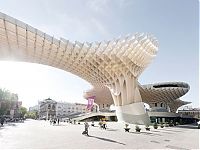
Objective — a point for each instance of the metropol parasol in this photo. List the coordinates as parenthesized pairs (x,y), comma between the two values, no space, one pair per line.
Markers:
(111,67)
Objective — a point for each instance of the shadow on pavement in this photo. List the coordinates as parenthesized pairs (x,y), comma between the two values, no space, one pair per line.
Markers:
(176,147)
(59,125)
(111,129)
(11,124)
(187,126)
(146,133)
(155,142)
(163,131)
(171,130)
(105,139)
(1,127)
(94,126)
(8,124)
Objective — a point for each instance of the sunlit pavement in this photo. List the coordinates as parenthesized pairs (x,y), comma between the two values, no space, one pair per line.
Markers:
(41,135)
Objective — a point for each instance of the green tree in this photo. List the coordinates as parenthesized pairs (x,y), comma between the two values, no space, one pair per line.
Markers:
(8,100)
(32,115)
(22,111)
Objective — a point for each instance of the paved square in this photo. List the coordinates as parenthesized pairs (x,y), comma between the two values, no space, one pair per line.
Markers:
(42,135)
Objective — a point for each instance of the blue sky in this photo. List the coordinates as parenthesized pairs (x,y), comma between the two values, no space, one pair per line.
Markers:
(174,23)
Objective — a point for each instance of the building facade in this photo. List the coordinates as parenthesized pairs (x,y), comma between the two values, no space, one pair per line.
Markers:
(34,108)
(193,112)
(49,108)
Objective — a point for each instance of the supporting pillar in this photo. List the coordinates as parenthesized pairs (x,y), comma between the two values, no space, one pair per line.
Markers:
(128,101)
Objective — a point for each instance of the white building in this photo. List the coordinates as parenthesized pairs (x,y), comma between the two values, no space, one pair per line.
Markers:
(64,108)
(34,108)
(49,108)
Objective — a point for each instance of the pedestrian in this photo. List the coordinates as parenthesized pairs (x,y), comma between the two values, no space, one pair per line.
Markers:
(100,124)
(51,121)
(2,120)
(54,121)
(198,123)
(104,125)
(86,128)
(58,120)
(92,123)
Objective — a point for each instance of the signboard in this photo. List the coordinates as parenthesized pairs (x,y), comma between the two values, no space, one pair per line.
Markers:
(90,102)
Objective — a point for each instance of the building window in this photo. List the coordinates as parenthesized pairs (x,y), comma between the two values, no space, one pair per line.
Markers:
(107,105)
(155,104)
(161,105)
(103,105)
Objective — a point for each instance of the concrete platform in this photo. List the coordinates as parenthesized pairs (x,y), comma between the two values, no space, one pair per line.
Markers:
(35,134)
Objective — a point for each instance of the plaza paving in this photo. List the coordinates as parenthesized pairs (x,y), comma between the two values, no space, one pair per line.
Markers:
(41,135)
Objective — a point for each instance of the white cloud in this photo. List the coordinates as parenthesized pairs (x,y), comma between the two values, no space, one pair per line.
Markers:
(125,3)
(74,27)
(100,27)
(98,6)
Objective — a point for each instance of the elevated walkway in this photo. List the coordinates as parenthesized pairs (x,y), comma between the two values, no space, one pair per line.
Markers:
(93,114)
(163,114)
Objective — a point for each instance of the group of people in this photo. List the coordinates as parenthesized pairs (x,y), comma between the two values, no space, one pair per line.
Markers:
(102,125)
(53,121)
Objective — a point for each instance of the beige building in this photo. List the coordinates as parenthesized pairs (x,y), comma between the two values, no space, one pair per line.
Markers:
(64,109)
(49,108)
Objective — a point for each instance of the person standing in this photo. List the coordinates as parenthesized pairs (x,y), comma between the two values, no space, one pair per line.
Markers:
(104,125)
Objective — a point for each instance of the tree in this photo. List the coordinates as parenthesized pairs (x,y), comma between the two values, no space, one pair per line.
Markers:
(22,111)
(32,115)
(8,101)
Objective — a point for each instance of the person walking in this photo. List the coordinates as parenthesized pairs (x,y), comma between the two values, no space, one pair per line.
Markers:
(58,121)
(86,128)
(51,121)
(54,122)
(2,120)
(100,124)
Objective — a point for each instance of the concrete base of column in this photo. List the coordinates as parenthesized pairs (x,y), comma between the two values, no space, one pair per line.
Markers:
(132,113)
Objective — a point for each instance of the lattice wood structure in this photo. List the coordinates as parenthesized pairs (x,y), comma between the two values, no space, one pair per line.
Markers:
(113,65)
